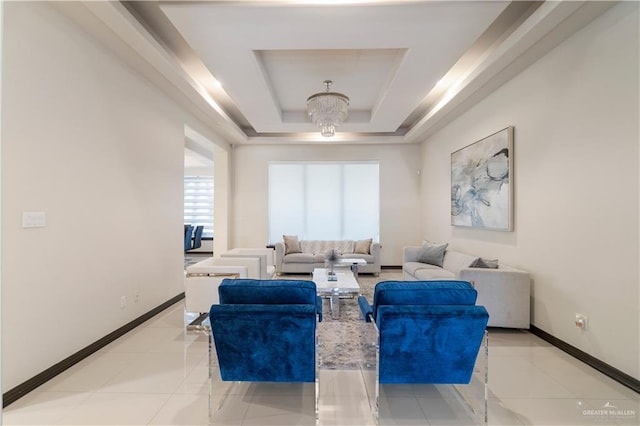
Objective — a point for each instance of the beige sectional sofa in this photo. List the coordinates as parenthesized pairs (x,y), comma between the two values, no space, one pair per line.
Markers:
(310,254)
(504,291)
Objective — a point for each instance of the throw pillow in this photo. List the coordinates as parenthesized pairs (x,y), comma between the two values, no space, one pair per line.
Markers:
(484,263)
(291,244)
(363,246)
(433,254)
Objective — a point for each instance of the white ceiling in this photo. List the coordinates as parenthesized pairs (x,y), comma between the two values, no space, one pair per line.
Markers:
(195,160)
(247,67)
(385,58)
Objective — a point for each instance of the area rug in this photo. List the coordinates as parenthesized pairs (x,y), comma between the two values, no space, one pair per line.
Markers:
(346,342)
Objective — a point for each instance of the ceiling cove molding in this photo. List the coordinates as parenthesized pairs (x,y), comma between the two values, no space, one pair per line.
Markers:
(520,35)
(549,25)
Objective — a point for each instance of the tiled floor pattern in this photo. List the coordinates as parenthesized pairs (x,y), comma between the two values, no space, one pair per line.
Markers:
(158,375)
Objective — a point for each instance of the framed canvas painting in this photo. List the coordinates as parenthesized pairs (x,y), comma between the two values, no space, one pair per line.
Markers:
(482,183)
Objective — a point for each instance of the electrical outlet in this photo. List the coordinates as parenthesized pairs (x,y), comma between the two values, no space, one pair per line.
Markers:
(123,302)
(34,219)
(581,321)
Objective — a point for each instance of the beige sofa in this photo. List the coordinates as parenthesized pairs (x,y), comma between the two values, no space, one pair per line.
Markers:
(312,255)
(504,292)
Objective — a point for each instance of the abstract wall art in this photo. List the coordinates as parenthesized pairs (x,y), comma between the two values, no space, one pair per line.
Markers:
(482,183)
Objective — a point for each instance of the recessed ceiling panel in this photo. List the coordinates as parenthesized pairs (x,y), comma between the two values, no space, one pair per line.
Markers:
(271,86)
(362,75)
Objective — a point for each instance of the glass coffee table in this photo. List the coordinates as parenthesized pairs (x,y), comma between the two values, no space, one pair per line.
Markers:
(346,286)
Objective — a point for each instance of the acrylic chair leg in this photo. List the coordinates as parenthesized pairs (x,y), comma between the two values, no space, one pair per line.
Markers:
(377,381)
(486,377)
(371,377)
(210,376)
(213,367)
(482,410)
(317,381)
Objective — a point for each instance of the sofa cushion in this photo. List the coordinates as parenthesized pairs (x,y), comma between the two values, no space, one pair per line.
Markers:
(484,263)
(368,257)
(322,246)
(427,274)
(363,246)
(432,254)
(299,258)
(291,244)
(412,267)
(454,261)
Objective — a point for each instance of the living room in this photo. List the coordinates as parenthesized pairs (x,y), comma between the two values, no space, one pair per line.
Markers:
(99,148)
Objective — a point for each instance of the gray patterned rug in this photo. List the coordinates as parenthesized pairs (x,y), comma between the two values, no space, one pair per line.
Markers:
(345,342)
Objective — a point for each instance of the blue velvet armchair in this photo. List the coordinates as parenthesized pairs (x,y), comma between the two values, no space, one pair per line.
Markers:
(428,332)
(266,331)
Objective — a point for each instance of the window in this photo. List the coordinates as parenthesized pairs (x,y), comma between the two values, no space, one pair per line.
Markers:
(198,203)
(324,201)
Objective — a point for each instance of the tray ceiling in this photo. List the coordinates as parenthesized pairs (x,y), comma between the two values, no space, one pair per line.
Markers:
(407,66)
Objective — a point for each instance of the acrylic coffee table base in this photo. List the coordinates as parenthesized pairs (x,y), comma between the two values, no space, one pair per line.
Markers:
(346,286)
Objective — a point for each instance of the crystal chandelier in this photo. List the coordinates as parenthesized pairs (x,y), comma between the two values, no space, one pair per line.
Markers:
(328,110)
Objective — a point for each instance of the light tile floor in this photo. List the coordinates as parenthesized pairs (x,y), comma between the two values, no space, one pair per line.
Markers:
(158,375)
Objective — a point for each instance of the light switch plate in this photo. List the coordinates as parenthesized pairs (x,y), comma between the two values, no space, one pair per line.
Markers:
(34,219)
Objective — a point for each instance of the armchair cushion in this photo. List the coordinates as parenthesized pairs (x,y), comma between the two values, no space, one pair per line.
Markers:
(447,292)
(265,342)
(265,330)
(282,292)
(448,336)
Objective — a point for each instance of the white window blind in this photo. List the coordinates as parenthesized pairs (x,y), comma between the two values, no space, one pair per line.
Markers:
(324,201)
(198,203)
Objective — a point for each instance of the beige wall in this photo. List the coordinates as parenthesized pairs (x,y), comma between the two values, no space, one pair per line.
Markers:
(100,151)
(575,113)
(399,194)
